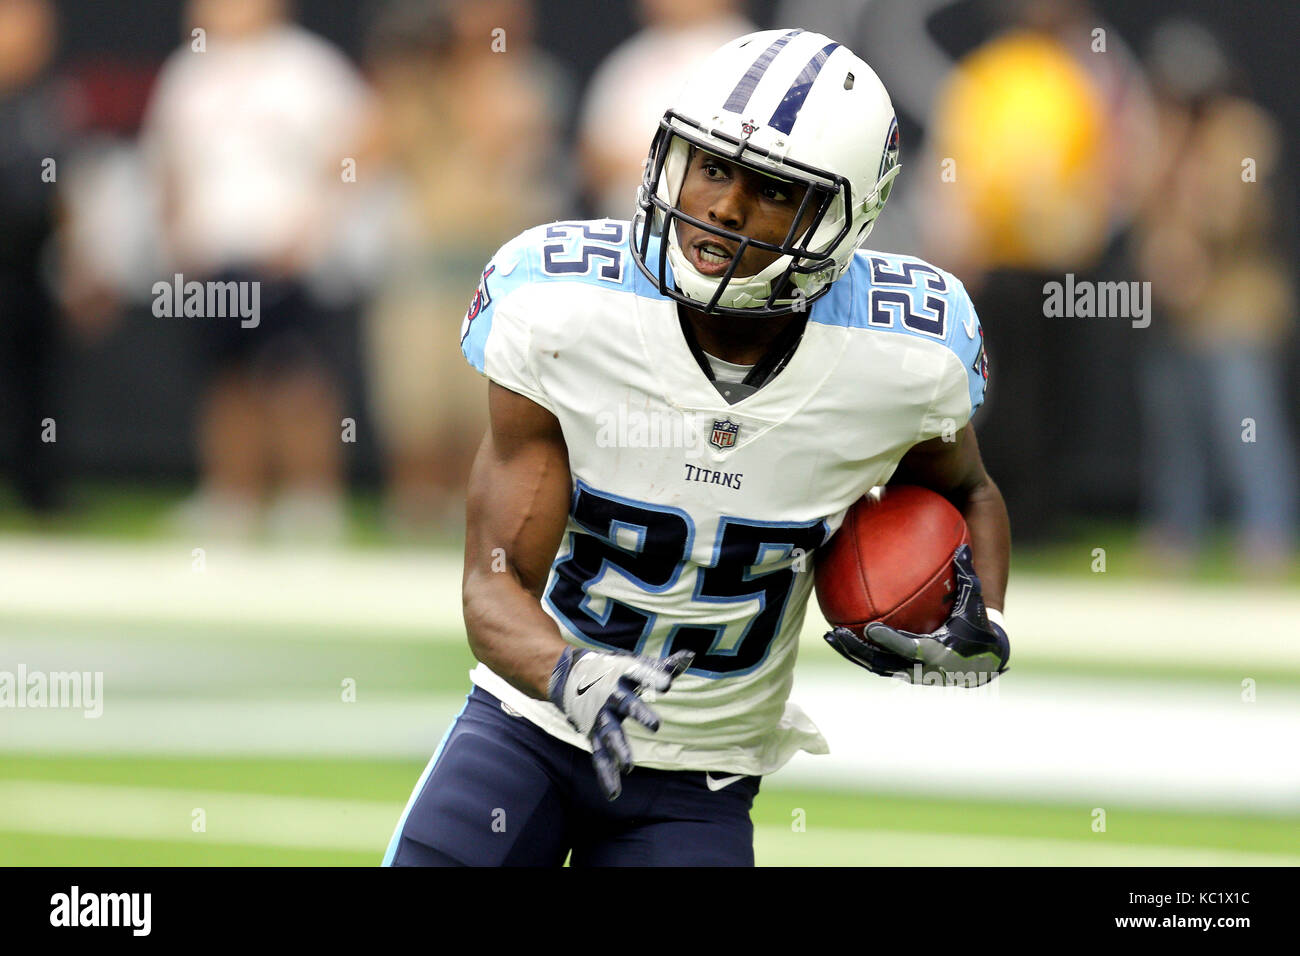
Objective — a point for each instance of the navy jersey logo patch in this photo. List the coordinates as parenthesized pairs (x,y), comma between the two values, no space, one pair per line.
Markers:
(724,433)
(981,363)
(890,159)
(482,299)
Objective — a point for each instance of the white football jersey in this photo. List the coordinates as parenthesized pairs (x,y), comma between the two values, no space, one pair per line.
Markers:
(693,522)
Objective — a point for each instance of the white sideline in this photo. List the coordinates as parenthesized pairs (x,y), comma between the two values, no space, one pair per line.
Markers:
(823,846)
(1087,741)
(416,595)
(1090,741)
(1193,743)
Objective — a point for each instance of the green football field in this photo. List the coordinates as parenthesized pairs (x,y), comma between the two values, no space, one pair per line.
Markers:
(227,736)
(265,812)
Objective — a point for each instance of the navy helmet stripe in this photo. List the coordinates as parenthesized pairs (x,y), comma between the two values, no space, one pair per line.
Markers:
(739,97)
(787,111)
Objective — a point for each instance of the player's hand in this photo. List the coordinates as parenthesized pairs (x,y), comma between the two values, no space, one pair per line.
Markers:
(968,644)
(864,654)
(596,690)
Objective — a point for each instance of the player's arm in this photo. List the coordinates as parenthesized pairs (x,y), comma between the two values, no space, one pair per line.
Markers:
(517,509)
(972,643)
(956,471)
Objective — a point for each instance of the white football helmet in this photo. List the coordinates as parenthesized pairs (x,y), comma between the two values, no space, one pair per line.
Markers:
(785,103)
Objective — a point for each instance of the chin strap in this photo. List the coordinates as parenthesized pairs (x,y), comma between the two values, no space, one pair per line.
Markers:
(776,357)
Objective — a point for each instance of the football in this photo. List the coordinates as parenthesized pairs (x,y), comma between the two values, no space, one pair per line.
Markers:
(891,561)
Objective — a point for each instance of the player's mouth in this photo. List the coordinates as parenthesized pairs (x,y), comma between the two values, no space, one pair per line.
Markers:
(710,257)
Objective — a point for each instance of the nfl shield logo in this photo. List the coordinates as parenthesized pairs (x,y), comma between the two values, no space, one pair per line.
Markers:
(724,433)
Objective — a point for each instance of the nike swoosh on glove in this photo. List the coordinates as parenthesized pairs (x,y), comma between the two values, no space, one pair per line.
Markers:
(596,690)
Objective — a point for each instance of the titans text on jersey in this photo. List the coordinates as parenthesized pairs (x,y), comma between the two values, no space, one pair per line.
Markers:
(705,542)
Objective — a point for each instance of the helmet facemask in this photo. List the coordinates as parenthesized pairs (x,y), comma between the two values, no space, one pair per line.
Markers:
(804,268)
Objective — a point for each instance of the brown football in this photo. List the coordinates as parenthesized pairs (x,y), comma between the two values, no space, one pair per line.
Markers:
(891,561)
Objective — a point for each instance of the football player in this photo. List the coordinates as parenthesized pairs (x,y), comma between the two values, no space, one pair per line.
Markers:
(682,409)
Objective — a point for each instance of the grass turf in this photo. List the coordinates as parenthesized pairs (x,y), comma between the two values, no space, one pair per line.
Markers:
(826,814)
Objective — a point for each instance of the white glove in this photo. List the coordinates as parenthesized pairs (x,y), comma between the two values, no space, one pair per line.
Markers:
(596,690)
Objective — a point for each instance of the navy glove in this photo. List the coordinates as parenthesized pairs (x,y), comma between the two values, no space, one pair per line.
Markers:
(968,649)
(595,690)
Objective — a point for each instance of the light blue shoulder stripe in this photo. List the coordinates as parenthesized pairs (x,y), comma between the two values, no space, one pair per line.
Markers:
(896,294)
(509,269)
(595,252)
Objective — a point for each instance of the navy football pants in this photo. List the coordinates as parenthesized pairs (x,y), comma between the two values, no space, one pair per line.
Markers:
(502,792)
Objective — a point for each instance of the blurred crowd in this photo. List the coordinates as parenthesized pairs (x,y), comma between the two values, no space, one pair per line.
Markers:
(370,189)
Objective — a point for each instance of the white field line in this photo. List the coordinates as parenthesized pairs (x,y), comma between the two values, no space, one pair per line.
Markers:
(396,726)
(356,592)
(1143,624)
(1184,743)
(417,594)
(1088,741)
(818,846)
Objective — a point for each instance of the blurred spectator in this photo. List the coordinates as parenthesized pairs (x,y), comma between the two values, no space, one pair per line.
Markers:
(912,45)
(1025,128)
(1123,94)
(1018,196)
(467,116)
(633,86)
(894,36)
(247,130)
(1021,124)
(897,38)
(1207,241)
(34,125)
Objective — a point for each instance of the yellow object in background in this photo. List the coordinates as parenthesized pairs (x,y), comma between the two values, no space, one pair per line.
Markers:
(1023,125)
